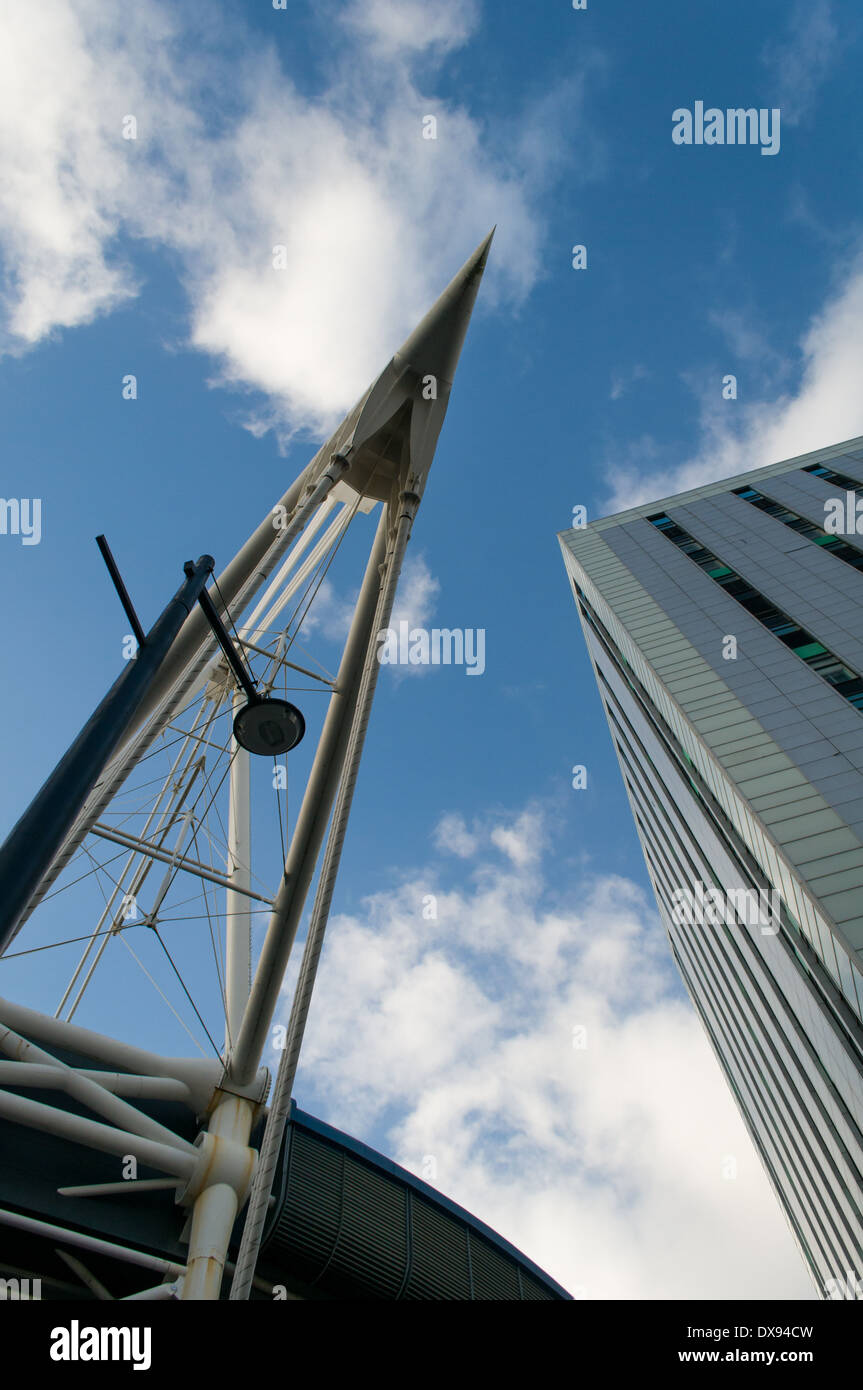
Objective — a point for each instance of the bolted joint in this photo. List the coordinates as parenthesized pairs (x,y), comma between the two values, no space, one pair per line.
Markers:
(220,1161)
(255,1092)
(339,463)
(409,502)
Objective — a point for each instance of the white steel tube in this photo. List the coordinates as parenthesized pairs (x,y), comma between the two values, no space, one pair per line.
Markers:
(87,1277)
(110,1189)
(238,924)
(137,883)
(199,1073)
(157,1292)
(253,631)
(85,1242)
(94,1135)
(281,1097)
(310,825)
(175,786)
(216,1205)
(190,652)
(117,1082)
(301,544)
(90,1093)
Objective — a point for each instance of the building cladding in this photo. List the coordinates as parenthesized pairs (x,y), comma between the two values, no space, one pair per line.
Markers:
(744,771)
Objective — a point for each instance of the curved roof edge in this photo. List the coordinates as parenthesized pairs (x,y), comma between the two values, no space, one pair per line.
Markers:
(379,1160)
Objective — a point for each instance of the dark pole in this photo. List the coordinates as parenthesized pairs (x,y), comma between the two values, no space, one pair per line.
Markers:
(122,591)
(33,843)
(234,659)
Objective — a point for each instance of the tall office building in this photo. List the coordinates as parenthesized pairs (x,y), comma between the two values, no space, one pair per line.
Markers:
(725,628)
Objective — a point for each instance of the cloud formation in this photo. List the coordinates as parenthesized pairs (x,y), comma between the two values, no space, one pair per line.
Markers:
(309,232)
(801,60)
(809,397)
(824,407)
(399,26)
(538,1050)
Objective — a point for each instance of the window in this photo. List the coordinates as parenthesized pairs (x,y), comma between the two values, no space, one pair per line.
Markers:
(835,545)
(825,663)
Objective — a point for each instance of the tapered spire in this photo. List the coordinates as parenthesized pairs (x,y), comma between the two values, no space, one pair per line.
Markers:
(434,347)
(389,437)
(392,432)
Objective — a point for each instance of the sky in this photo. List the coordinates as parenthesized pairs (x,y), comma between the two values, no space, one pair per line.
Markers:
(530,1048)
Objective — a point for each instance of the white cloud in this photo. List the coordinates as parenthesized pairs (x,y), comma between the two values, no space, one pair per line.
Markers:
(521,839)
(398,26)
(331,611)
(417,593)
(452,835)
(621,381)
(521,842)
(454,1037)
(374,219)
(415,603)
(801,60)
(826,408)
(746,338)
(56,155)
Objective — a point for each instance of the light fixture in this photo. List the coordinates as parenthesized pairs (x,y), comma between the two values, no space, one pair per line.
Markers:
(269,726)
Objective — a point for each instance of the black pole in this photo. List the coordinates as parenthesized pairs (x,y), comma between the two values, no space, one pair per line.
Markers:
(232,655)
(33,843)
(122,591)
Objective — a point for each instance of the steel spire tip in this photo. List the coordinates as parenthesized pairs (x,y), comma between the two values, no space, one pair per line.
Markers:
(434,347)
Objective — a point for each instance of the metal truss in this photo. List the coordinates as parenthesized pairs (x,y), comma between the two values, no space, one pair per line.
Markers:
(176,801)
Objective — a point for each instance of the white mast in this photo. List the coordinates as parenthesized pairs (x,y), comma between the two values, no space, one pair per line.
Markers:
(238,916)
(381,453)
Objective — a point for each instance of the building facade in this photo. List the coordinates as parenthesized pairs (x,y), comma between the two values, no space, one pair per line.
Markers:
(725,629)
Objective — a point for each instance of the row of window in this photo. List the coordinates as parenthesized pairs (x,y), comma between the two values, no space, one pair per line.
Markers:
(831,476)
(794,1133)
(745,829)
(834,544)
(732,1008)
(734,847)
(656,801)
(818,657)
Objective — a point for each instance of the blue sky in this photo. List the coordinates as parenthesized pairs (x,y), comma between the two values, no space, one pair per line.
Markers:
(599,386)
